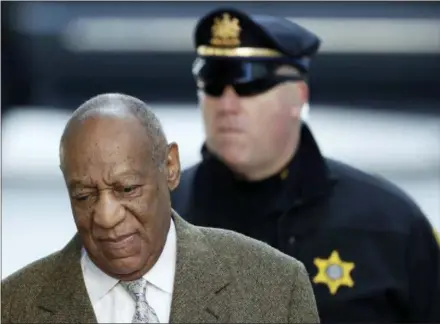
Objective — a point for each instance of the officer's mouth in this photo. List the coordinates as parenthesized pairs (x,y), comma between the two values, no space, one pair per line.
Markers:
(229,129)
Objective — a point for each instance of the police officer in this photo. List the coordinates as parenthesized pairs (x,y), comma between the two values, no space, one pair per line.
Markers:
(370,252)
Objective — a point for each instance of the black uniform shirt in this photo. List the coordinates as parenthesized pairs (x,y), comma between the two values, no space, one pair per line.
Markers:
(370,252)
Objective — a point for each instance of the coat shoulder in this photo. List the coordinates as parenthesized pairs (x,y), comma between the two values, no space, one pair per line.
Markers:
(248,254)
(24,281)
(270,276)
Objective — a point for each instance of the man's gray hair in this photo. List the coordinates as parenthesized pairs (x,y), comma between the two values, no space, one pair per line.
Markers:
(117,104)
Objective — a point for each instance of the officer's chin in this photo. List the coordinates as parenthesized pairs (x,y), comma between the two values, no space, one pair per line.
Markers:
(234,157)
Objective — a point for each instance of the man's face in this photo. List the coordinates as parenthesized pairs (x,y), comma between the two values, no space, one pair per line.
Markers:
(119,197)
(251,131)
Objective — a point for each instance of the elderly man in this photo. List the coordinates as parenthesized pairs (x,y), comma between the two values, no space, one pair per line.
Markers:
(368,248)
(134,260)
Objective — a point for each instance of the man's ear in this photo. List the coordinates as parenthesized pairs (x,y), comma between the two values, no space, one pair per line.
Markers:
(173,166)
(301,98)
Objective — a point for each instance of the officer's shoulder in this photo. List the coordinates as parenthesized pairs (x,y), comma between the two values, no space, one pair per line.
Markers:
(188,172)
(244,252)
(181,195)
(374,192)
(187,177)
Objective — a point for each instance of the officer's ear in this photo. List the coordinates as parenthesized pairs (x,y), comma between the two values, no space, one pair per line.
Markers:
(173,166)
(300,94)
(303,92)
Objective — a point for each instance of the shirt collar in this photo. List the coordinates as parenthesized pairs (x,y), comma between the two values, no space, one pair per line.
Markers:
(160,275)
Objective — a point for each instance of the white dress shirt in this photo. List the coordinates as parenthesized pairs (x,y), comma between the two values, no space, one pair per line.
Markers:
(113,304)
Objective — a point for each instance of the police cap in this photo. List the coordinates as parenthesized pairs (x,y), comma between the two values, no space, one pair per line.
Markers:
(231,34)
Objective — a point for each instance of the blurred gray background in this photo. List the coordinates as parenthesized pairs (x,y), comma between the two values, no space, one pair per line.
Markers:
(375,94)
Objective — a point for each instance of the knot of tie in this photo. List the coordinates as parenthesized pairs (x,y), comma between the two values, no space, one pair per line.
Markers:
(144,313)
(136,288)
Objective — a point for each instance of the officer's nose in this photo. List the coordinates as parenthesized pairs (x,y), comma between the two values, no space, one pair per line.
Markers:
(108,211)
(229,101)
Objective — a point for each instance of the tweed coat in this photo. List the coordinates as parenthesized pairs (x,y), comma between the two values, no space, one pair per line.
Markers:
(221,276)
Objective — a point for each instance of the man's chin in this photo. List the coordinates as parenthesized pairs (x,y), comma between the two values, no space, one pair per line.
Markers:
(125,267)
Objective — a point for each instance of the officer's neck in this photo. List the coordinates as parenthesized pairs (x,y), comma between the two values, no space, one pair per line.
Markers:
(265,171)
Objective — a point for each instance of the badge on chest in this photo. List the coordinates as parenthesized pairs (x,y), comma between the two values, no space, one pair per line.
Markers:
(333,272)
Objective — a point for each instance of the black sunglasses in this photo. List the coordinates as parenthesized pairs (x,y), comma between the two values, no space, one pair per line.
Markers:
(248,78)
(246,89)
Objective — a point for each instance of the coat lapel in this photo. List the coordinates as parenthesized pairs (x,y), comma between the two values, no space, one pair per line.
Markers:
(64,297)
(201,293)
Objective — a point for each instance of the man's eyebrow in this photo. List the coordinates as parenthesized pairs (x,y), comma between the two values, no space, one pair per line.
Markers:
(73,183)
(128,173)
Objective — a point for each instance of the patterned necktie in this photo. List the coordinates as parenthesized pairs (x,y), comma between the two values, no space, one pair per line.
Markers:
(144,313)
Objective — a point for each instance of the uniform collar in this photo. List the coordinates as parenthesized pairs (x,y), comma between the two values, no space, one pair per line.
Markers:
(313,173)
(304,178)
(161,274)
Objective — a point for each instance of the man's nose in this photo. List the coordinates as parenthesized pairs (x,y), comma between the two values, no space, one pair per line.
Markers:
(108,211)
(229,100)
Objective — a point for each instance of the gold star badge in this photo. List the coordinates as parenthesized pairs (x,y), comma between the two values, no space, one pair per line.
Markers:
(333,272)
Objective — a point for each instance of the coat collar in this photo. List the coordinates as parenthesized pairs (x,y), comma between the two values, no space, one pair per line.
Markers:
(199,294)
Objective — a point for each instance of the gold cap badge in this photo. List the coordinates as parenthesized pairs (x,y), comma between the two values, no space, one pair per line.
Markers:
(225,31)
